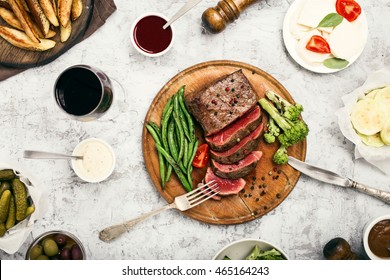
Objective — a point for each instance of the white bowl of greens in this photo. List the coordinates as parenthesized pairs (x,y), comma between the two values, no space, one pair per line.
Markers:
(251,249)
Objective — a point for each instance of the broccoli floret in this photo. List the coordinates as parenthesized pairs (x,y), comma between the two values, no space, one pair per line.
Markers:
(288,110)
(281,156)
(273,131)
(293,131)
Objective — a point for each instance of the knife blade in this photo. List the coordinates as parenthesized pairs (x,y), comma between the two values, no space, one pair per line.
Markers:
(336,179)
(318,173)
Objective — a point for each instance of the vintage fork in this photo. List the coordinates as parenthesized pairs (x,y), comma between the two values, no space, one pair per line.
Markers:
(182,203)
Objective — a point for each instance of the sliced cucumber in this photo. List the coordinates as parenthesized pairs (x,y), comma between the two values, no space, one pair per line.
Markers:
(367,117)
(382,97)
(371,140)
(385,133)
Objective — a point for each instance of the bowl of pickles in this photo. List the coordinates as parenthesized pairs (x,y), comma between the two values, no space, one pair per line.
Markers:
(56,245)
(23,201)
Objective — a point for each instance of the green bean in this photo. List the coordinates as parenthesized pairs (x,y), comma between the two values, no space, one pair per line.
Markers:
(191,126)
(187,186)
(179,112)
(166,107)
(180,136)
(189,174)
(193,153)
(156,129)
(164,125)
(185,156)
(171,140)
(155,136)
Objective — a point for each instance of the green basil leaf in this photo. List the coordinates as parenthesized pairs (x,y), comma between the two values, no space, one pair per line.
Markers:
(335,63)
(331,20)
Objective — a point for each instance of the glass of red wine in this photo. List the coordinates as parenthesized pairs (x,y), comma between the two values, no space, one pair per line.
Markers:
(83,92)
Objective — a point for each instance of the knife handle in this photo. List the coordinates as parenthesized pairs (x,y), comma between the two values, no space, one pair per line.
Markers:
(382,195)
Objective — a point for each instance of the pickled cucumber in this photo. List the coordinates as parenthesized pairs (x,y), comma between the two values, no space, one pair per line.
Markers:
(7,174)
(11,220)
(4,205)
(30,210)
(20,193)
(2,229)
(4,186)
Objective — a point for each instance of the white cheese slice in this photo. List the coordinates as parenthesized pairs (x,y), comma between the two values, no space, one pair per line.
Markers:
(346,40)
(310,56)
(314,11)
(297,30)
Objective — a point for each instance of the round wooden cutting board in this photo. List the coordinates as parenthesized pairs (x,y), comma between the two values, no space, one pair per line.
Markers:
(19,58)
(267,185)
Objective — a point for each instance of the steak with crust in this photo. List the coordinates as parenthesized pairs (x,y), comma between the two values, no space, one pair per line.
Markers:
(221,103)
(232,134)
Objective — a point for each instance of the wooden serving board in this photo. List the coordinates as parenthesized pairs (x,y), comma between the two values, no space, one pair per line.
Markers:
(19,58)
(267,186)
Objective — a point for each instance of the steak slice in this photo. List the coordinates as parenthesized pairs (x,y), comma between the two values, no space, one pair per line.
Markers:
(230,135)
(241,150)
(226,186)
(239,169)
(221,103)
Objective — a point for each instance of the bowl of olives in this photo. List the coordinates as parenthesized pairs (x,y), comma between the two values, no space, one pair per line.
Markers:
(56,245)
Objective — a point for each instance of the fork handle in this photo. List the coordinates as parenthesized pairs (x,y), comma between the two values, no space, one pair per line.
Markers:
(114,231)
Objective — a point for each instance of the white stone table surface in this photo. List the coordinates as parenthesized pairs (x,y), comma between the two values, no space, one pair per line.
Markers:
(309,217)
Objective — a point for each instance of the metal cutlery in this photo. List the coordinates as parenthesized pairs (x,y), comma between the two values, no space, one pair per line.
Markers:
(182,203)
(47,155)
(336,179)
(188,6)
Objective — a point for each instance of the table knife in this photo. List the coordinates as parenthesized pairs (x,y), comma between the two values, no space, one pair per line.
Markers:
(336,179)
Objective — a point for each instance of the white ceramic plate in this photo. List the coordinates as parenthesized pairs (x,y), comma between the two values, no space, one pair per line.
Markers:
(240,249)
(291,42)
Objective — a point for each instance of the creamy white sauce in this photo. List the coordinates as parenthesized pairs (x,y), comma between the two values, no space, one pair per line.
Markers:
(97,163)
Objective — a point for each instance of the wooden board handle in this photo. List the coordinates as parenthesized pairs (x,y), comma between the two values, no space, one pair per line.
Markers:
(215,19)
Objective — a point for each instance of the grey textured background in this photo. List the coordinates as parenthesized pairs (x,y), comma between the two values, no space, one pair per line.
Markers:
(310,216)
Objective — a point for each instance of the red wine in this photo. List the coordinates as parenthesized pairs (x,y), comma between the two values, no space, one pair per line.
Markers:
(78,91)
(150,36)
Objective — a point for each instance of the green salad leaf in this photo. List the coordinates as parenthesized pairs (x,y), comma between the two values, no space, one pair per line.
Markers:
(258,254)
(335,63)
(331,20)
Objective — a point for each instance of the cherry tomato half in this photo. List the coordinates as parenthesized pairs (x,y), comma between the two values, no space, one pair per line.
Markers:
(348,9)
(201,157)
(318,44)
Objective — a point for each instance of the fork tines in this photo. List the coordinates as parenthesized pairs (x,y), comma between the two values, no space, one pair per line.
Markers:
(203,193)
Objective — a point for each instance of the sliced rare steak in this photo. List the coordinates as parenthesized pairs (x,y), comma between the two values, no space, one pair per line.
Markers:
(241,150)
(221,103)
(229,136)
(226,186)
(239,169)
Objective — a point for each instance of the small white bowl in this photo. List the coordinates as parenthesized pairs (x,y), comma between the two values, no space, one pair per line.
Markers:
(140,50)
(366,231)
(98,162)
(240,249)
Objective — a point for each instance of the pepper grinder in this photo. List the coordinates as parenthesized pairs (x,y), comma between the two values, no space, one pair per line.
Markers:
(215,19)
(339,249)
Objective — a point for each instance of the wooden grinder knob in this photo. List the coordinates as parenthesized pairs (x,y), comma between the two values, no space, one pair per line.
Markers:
(215,19)
(339,249)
